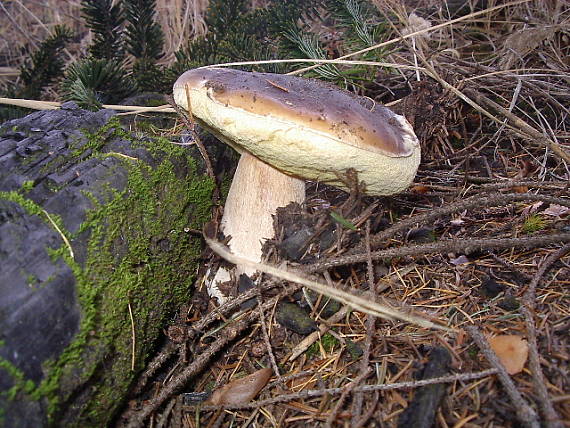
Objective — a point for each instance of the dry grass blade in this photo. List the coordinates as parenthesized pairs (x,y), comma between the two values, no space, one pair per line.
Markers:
(365,305)
(522,127)
(52,105)
(420,32)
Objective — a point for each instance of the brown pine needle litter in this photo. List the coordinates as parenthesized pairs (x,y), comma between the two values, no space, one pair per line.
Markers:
(479,246)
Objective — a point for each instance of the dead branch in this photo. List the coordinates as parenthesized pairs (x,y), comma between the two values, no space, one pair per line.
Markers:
(552,419)
(364,388)
(446,246)
(522,127)
(477,201)
(526,414)
(370,324)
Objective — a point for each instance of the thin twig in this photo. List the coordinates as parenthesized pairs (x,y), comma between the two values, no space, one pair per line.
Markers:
(522,275)
(370,324)
(493,184)
(200,326)
(347,389)
(363,388)
(265,332)
(189,122)
(476,201)
(231,332)
(551,417)
(465,246)
(523,127)
(154,366)
(526,414)
(136,420)
(196,330)
(366,417)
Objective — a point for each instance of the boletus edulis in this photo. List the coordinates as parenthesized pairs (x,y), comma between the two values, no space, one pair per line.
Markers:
(288,129)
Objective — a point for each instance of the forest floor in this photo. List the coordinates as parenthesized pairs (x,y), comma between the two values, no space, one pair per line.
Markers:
(479,246)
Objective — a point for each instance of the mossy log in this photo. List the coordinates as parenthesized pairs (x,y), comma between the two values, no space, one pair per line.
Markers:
(96,254)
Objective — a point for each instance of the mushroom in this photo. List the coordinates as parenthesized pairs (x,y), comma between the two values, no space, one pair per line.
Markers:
(286,129)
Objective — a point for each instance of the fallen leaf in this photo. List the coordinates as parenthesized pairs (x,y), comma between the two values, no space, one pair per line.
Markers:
(420,189)
(241,391)
(512,351)
(461,260)
(555,210)
(531,209)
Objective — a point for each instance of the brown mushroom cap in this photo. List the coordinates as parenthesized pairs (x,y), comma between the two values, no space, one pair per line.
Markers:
(303,127)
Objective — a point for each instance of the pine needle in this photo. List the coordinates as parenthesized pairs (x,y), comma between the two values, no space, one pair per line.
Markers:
(361,304)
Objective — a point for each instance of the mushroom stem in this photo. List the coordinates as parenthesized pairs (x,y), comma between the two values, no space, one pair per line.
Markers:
(257,190)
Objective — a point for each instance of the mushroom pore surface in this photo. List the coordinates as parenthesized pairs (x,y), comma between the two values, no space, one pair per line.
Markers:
(303,127)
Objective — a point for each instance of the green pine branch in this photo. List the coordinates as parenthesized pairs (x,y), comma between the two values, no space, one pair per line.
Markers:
(45,65)
(302,44)
(144,37)
(105,20)
(222,15)
(239,34)
(91,82)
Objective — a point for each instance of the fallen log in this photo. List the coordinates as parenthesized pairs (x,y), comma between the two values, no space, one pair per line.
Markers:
(96,254)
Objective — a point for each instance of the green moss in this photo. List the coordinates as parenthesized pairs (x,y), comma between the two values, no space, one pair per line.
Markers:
(138,252)
(96,141)
(533,223)
(34,209)
(328,342)
(19,383)
(31,280)
(27,186)
(30,206)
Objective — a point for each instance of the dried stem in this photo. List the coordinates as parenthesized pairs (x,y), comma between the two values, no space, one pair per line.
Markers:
(473,202)
(526,414)
(364,388)
(446,246)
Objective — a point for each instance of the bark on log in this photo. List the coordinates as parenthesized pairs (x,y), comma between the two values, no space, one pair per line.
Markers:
(92,221)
